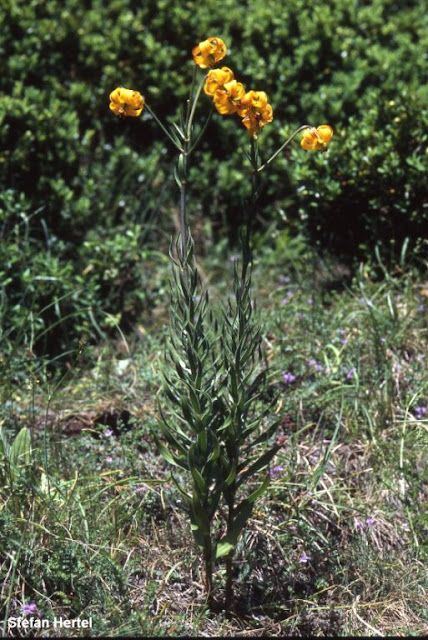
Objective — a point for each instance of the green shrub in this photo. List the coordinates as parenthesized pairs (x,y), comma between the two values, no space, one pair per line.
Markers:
(83,179)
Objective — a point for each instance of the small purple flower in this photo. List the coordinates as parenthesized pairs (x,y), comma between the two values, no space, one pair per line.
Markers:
(313,363)
(314,500)
(358,524)
(108,432)
(288,377)
(420,412)
(234,257)
(309,301)
(344,340)
(421,307)
(350,373)
(341,332)
(274,473)
(140,488)
(109,459)
(304,558)
(369,523)
(30,609)
(287,298)
(285,279)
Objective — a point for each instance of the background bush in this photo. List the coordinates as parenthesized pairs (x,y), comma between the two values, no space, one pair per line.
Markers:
(85,197)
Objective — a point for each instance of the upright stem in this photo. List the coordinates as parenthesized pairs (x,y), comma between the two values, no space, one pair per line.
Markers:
(250,213)
(182,171)
(183,218)
(208,562)
(229,558)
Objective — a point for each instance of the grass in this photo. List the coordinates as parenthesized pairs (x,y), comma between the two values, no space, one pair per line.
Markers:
(95,527)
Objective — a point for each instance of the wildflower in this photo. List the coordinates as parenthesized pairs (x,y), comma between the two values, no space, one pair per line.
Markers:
(420,412)
(30,609)
(350,373)
(369,523)
(126,102)
(309,301)
(233,258)
(109,459)
(304,558)
(108,432)
(228,99)
(140,488)
(314,501)
(274,473)
(216,79)
(287,297)
(255,111)
(313,363)
(209,52)
(288,377)
(316,139)
(359,525)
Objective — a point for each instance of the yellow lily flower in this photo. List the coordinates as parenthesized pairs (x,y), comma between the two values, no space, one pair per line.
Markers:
(255,111)
(253,101)
(216,79)
(126,102)
(209,52)
(228,99)
(317,139)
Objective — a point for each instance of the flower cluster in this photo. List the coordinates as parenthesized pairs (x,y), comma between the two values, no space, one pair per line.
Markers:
(126,102)
(228,94)
(229,97)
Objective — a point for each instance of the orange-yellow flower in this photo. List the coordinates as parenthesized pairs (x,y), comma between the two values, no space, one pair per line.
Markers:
(126,102)
(216,79)
(228,99)
(317,139)
(255,111)
(209,52)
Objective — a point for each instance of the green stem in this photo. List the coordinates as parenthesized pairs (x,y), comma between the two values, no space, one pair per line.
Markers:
(229,557)
(304,126)
(208,562)
(183,217)
(193,109)
(251,208)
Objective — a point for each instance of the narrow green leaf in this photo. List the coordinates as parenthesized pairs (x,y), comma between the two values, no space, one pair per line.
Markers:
(200,483)
(259,464)
(229,541)
(258,492)
(170,457)
(4,443)
(223,549)
(203,442)
(20,451)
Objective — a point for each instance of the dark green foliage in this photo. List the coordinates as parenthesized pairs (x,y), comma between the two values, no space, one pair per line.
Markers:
(75,179)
